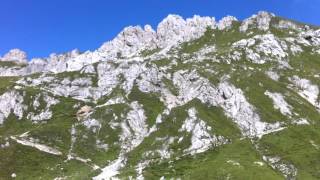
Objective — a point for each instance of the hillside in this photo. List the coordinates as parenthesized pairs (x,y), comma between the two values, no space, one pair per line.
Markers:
(193,99)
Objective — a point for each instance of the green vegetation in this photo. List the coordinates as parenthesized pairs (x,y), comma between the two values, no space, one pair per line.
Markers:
(216,164)
(298,145)
(7,83)
(11,64)
(151,104)
(146,53)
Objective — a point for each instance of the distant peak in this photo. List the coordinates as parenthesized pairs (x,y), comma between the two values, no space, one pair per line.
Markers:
(172,17)
(148,28)
(16,55)
(261,20)
(265,13)
(172,30)
(226,22)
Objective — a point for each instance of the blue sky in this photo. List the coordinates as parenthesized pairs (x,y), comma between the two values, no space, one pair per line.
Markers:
(41,27)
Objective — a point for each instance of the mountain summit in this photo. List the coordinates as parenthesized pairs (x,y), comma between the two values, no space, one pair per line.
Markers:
(193,99)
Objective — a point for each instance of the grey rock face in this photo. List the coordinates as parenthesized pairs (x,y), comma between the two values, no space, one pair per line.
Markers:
(226,22)
(11,102)
(15,55)
(260,21)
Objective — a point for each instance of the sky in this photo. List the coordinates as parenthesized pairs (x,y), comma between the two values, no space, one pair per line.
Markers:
(42,27)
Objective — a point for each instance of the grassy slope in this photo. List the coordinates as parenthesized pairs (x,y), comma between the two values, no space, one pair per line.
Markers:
(214,164)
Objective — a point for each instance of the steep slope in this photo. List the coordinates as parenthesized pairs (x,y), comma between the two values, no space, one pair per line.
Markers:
(195,99)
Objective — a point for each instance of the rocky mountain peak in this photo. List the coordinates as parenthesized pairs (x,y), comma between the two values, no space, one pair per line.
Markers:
(260,21)
(38,61)
(171,30)
(16,55)
(175,29)
(130,40)
(226,22)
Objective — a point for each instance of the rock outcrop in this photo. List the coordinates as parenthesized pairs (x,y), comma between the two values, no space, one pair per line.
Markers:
(260,21)
(16,56)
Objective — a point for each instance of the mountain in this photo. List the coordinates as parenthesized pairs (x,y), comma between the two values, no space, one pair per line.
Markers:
(193,99)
